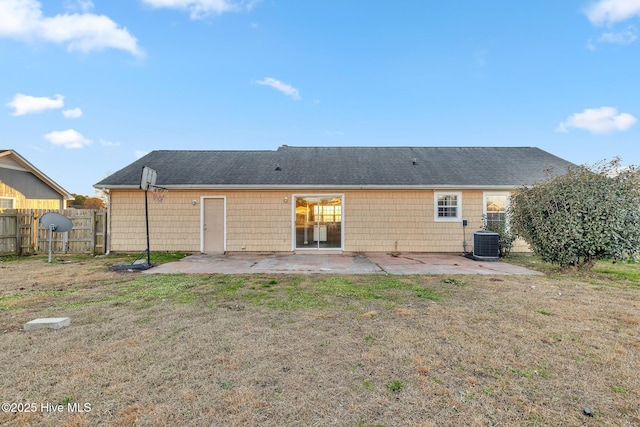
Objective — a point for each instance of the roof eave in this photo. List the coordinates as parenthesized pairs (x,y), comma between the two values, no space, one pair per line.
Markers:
(318,187)
(25,163)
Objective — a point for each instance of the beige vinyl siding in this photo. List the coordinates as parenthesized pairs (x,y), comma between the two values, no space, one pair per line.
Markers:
(375,220)
(23,203)
(261,221)
(520,246)
(256,221)
(174,225)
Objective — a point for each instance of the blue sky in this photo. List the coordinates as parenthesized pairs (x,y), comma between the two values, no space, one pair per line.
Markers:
(90,86)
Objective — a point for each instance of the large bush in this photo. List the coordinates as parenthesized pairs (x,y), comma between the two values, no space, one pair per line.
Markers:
(589,213)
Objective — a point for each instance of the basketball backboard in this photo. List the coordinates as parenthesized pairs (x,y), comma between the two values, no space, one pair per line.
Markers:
(148,178)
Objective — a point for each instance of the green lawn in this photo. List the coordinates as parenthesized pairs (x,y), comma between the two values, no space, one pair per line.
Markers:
(320,349)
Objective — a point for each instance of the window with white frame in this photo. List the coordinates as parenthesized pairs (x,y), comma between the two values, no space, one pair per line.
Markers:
(447,206)
(495,207)
(7,202)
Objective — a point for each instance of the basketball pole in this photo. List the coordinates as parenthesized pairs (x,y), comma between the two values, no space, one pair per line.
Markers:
(146,214)
(147,180)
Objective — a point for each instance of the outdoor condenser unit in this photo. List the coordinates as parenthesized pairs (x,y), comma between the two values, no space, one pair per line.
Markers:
(485,246)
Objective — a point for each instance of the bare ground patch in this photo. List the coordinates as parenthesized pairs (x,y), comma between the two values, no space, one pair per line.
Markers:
(276,350)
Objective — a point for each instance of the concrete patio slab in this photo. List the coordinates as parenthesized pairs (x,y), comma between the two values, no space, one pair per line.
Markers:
(369,263)
(428,263)
(292,263)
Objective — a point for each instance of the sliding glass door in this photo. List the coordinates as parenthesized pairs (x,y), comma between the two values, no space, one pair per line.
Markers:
(318,222)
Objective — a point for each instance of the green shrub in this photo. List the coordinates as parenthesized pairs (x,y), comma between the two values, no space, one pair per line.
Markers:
(587,214)
(505,235)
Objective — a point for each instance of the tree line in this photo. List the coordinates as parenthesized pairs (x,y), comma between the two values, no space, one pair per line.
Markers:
(86,202)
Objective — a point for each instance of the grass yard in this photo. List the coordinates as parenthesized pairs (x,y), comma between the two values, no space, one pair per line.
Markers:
(318,350)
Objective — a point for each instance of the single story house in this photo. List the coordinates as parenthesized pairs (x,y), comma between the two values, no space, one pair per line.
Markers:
(23,186)
(307,199)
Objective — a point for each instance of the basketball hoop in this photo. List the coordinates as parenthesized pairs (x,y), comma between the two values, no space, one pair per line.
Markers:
(158,193)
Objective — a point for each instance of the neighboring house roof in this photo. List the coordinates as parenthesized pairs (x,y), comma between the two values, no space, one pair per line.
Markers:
(10,159)
(355,167)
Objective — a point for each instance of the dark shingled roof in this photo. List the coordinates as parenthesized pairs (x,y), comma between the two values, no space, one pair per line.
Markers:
(344,166)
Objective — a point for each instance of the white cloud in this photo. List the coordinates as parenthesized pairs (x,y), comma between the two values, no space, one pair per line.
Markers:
(23,20)
(83,5)
(605,12)
(281,87)
(139,153)
(621,37)
(109,143)
(26,104)
(199,9)
(598,120)
(68,139)
(73,113)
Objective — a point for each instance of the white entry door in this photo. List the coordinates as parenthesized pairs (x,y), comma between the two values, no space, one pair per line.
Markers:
(213,225)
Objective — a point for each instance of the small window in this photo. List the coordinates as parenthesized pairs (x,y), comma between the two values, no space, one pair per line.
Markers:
(7,202)
(495,207)
(448,206)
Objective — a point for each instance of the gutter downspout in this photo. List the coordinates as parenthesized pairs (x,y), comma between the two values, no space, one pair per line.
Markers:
(107,238)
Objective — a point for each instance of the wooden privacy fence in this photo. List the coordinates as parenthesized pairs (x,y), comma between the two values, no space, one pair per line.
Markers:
(21,233)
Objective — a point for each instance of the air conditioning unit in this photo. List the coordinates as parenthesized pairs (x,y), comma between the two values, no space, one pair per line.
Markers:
(485,246)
